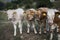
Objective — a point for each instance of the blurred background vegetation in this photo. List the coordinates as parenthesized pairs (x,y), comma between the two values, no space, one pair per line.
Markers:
(13,4)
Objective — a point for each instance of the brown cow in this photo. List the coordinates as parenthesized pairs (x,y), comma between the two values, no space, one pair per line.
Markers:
(30,20)
(57,19)
(41,17)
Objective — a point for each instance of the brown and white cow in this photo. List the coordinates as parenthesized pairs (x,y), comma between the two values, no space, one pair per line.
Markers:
(52,17)
(30,20)
(41,16)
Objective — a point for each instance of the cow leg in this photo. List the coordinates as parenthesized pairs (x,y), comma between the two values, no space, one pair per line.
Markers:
(40,30)
(51,36)
(39,27)
(34,28)
(57,28)
(20,27)
(14,29)
(28,26)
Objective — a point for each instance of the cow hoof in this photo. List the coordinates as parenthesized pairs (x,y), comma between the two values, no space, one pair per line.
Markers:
(35,32)
(21,37)
(14,34)
(20,32)
(28,32)
(44,39)
(44,31)
(39,32)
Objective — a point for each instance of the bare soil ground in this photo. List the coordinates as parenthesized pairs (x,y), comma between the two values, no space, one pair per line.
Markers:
(6,33)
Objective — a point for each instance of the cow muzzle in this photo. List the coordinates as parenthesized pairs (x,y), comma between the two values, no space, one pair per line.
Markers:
(10,19)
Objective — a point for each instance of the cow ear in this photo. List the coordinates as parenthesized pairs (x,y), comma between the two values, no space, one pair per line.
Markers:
(44,13)
(57,13)
(14,12)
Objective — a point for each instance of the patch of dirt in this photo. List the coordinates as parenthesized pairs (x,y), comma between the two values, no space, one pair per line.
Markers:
(6,33)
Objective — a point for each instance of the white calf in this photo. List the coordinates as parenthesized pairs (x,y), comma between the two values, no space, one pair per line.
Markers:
(51,15)
(15,16)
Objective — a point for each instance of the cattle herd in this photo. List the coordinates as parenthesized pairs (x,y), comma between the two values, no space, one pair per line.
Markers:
(44,17)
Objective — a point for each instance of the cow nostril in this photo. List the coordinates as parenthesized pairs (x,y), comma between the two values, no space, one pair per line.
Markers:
(10,19)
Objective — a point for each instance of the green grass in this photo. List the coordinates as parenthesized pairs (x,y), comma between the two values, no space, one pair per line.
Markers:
(3,16)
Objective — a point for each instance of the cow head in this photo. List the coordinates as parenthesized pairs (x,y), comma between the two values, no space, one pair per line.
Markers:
(11,14)
(57,14)
(51,15)
(41,14)
(57,18)
(30,14)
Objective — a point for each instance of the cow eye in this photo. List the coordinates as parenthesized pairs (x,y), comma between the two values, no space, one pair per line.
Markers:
(57,14)
(14,13)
